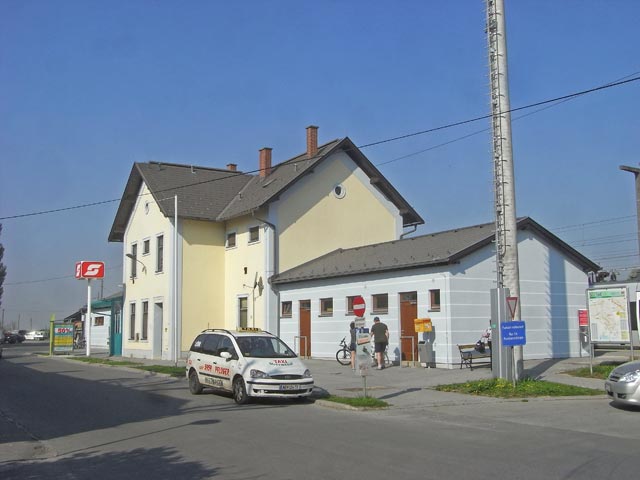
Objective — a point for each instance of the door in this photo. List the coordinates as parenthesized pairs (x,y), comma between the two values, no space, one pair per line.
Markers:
(116,329)
(305,328)
(408,313)
(158,327)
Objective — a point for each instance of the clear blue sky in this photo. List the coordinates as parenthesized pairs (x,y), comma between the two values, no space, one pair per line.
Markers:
(89,87)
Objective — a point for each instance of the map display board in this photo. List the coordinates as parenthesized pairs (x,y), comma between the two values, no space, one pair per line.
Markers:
(609,315)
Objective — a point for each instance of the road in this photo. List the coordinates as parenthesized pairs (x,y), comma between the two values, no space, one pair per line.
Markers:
(65,419)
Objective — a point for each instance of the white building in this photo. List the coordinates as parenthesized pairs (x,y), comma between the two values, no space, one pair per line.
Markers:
(446,276)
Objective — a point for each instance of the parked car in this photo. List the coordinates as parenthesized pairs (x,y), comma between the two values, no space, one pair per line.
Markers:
(247,363)
(35,335)
(623,384)
(12,337)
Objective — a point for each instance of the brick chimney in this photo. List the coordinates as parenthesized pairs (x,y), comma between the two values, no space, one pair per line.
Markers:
(265,162)
(232,167)
(312,141)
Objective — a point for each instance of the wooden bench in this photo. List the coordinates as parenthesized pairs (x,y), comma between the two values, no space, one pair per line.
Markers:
(470,356)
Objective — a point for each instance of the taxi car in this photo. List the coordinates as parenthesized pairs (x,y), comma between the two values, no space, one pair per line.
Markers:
(623,383)
(248,363)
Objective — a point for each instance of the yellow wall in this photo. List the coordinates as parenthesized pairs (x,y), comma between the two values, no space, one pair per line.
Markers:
(312,221)
(147,222)
(238,283)
(203,266)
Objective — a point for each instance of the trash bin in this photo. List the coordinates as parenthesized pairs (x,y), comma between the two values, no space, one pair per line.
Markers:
(425,354)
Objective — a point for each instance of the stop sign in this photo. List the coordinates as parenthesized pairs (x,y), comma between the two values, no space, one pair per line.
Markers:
(358,306)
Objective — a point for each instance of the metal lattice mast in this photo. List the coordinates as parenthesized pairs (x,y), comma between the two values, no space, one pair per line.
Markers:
(508,274)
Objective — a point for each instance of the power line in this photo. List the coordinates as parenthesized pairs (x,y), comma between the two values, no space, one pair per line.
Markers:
(431,130)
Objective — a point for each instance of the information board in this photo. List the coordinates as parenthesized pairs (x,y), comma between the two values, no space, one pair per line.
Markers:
(513,333)
(62,338)
(608,314)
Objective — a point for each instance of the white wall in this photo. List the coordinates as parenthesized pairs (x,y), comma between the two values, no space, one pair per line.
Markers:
(552,290)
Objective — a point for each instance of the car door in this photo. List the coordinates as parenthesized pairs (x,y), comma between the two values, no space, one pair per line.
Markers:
(204,358)
(225,368)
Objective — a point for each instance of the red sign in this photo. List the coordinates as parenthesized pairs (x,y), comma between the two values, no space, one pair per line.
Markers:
(358,306)
(511,303)
(89,269)
(583,318)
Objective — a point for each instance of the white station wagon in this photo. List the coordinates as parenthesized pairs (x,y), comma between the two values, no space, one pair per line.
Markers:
(248,363)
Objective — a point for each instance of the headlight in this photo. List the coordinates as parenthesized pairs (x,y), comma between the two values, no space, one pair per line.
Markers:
(630,377)
(258,374)
(307,373)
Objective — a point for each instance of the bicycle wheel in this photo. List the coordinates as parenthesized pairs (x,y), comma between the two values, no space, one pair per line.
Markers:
(343,356)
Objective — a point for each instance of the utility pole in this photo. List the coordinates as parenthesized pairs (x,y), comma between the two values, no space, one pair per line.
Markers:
(635,172)
(508,274)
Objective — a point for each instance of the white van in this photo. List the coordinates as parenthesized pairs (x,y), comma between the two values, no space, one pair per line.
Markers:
(248,363)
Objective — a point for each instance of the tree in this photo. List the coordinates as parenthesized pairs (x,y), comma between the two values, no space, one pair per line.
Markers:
(3,269)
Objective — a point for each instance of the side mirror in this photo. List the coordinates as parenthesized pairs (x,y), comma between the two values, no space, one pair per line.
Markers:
(226,355)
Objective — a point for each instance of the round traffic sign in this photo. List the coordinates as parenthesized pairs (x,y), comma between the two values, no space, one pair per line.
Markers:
(358,306)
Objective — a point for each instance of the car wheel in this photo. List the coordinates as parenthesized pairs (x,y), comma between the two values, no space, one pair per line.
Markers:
(195,387)
(240,391)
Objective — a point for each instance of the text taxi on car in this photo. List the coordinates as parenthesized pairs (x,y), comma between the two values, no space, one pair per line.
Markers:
(248,363)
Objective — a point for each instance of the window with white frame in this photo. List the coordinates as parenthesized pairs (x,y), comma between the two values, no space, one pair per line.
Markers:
(285,310)
(159,253)
(146,246)
(145,320)
(134,260)
(380,303)
(243,310)
(326,306)
(98,321)
(434,300)
(231,239)
(254,234)
(132,321)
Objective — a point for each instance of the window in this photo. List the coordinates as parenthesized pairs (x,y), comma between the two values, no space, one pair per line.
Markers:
(434,300)
(159,253)
(132,320)
(134,260)
(146,246)
(231,240)
(254,234)
(326,306)
(380,303)
(286,309)
(98,322)
(145,320)
(242,312)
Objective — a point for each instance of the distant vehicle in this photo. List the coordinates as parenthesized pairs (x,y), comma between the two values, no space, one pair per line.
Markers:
(1,342)
(35,335)
(623,384)
(12,337)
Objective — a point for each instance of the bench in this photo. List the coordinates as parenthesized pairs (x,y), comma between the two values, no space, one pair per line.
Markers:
(469,356)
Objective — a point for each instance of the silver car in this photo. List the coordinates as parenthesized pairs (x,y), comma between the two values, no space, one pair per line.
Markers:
(623,384)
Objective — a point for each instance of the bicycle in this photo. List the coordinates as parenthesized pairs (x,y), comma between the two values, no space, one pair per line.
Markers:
(343,356)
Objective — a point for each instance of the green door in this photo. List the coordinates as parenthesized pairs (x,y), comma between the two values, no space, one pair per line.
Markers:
(115,346)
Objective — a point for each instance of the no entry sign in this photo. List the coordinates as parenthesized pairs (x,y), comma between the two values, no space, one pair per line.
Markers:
(358,306)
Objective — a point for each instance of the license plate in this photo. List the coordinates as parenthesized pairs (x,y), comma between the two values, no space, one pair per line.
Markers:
(289,387)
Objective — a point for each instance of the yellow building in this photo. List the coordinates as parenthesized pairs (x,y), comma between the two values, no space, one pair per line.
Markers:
(234,232)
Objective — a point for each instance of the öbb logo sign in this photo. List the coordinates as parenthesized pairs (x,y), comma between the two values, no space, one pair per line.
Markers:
(86,269)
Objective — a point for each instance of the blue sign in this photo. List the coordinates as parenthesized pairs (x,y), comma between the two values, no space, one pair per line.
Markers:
(513,333)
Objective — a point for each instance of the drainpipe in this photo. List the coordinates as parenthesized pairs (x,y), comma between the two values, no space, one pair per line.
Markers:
(275,266)
(415,227)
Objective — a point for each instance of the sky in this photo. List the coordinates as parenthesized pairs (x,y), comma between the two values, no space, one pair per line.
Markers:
(88,87)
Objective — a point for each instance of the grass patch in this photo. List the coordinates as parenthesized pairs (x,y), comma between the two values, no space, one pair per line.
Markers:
(499,387)
(600,371)
(168,370)
(105,361)
(366,402)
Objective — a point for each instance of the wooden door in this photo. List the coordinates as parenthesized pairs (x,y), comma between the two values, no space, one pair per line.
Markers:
(305,328)
(408,313)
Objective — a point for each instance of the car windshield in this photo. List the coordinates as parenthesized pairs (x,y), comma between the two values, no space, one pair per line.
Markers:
(264,347)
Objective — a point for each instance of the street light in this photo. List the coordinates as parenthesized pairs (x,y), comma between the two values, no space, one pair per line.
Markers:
(133,257)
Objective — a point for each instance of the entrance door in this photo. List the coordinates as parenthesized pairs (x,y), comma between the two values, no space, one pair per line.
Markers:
(305,328)
(116,329)
(158,327)
(408,313)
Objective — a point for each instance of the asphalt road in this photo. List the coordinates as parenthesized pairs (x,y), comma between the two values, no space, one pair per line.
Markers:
(65,419)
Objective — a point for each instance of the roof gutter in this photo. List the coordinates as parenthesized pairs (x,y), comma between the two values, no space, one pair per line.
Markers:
(415,227)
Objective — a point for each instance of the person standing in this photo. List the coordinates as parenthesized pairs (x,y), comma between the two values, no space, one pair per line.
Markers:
(380,335)
(352,344)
